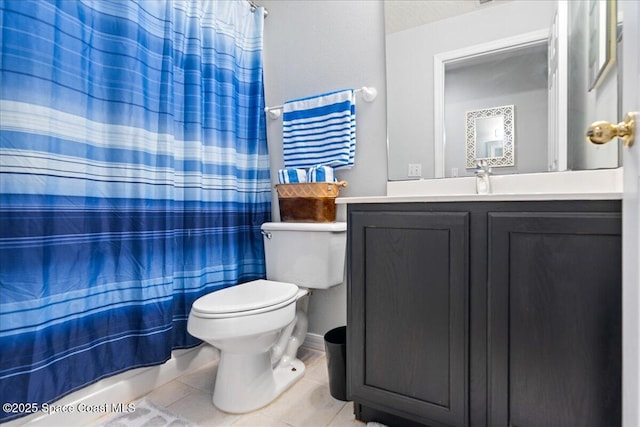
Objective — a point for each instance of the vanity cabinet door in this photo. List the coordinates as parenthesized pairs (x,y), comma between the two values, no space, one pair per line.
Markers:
(407,316)
(554,349)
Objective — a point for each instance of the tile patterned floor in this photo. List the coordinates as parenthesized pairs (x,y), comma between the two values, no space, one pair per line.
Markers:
(306,404)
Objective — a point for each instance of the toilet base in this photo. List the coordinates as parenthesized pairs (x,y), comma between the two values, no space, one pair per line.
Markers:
(246,382)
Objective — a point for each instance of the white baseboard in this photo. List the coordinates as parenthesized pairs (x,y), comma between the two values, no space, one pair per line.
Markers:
(314,342)
(95,401)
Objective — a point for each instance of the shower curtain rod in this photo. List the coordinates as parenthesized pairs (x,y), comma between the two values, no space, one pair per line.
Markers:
(369,93)
(254,6)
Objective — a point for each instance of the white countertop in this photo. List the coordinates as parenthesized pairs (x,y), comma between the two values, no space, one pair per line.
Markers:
(604,184)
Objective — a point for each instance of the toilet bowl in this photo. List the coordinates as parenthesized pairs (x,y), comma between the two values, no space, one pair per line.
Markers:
(258,326)
(244,322)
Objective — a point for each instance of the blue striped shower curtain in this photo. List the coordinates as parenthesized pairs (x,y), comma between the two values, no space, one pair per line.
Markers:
(134,178)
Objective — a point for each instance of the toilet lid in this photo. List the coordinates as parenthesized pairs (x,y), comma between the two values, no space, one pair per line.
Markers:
(246,297)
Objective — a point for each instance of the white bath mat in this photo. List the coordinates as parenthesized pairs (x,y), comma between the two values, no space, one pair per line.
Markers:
(147,414)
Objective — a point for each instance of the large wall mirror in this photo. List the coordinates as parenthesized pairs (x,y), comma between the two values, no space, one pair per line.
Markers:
(531,54)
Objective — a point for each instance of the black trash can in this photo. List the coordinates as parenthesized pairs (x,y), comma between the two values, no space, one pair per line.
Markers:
(335,345)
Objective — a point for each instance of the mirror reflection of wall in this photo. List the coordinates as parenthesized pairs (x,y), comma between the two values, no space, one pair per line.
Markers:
(434,27)
(410,52)
(587,106)
(507,78)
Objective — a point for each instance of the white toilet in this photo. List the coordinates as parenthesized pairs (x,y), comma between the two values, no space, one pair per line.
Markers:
(258,326)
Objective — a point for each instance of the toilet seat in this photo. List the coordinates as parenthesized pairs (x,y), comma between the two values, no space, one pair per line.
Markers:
(245,299)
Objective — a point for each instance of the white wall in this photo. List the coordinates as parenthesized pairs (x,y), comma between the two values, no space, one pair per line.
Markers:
(316,46)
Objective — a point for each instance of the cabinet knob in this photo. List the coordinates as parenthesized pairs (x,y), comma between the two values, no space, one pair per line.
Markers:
(602,132)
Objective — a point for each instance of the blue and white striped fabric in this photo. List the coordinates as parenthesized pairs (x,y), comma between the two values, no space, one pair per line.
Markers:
(291,176)
(134,178)
(320,130)
(321,174)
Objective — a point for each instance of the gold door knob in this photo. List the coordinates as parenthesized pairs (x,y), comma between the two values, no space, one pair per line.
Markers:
(603,132)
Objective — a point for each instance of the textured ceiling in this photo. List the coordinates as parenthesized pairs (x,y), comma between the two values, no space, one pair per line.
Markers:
(404,14)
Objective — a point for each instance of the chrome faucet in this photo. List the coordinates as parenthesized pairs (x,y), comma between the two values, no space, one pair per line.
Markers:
(483,182)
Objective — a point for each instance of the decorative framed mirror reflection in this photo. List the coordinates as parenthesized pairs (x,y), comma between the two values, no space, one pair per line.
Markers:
(602,39)
(490,137)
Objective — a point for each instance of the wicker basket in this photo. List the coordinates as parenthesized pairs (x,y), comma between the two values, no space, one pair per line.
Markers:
(309,202)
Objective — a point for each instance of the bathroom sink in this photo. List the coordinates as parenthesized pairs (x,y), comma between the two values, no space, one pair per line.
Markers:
(570,185)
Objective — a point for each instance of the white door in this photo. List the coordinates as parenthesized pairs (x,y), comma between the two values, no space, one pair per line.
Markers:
(630,220)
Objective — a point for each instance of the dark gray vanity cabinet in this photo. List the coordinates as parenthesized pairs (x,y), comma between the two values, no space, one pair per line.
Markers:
(485,313)
(555,319)
(408,312)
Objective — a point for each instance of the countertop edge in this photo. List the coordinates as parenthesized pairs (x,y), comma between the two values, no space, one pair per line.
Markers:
(503,197)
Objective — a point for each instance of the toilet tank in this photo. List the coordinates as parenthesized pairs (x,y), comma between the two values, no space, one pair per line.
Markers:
(310,255)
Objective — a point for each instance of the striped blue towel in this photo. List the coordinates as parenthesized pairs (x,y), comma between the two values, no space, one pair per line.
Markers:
(321,174)
(320,130)
(290,176)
